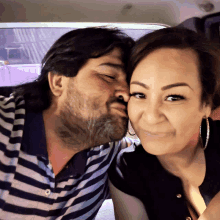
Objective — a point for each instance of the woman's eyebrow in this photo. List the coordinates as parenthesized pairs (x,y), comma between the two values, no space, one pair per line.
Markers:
(140,84)
(164,87)
(175,85)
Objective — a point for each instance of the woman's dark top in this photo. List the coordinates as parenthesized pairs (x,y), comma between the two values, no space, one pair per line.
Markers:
(141,175)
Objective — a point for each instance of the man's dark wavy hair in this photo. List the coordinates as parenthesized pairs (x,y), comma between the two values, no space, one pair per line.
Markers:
(67,56)
(182,38)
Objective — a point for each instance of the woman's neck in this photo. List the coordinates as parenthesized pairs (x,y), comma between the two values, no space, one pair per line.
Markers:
(190,166)
(184,163)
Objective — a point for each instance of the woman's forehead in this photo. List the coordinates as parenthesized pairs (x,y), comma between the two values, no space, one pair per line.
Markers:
(169,66)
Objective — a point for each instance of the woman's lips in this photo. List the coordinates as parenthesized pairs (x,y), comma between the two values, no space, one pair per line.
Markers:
(157,134)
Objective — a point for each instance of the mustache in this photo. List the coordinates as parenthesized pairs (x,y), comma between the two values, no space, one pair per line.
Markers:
(116,100)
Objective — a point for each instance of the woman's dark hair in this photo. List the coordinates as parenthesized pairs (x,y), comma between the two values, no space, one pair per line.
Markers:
(181,38)
(67,56)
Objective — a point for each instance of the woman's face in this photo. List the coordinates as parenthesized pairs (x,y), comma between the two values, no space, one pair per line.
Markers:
(165,106)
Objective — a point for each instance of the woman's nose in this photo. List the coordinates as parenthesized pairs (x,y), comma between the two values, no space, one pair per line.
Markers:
(152,113)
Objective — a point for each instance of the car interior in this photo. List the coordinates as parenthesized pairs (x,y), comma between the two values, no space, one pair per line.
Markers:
(29,28)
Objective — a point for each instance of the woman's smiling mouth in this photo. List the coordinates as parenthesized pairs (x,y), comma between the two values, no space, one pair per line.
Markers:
(157,134)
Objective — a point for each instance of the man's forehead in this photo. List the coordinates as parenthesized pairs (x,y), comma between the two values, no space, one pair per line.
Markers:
(116,53)
(112,59)
(117,66)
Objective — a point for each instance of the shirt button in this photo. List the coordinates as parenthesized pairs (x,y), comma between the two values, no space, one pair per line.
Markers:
(179,196)
(188,218)
(47,192)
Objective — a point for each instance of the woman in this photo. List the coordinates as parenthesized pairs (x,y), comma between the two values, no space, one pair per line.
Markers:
(175,172)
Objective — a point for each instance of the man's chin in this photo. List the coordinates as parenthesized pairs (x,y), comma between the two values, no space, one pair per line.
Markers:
(110,128)
(119,128)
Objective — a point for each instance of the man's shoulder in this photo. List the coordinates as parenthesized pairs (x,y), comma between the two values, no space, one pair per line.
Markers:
(5,100)
(11,102)
(112,149)
(127,142)
(12,114)
(124,143)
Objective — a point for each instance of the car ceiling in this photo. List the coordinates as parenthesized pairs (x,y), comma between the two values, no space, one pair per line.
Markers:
(170,12)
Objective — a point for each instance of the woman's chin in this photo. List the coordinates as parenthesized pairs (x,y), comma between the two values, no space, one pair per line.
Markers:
(158,146)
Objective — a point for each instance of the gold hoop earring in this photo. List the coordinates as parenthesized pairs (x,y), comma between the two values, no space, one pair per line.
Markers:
(207,133)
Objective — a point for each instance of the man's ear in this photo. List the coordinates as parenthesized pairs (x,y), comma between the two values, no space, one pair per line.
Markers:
(57,83)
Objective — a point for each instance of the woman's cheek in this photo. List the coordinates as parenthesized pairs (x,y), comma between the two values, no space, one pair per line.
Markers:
(131,109)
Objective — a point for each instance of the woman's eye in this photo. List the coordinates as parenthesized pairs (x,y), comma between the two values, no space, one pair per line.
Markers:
(174,98)
(137,95)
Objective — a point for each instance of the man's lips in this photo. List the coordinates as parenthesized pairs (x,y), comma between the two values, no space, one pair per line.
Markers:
(120,108)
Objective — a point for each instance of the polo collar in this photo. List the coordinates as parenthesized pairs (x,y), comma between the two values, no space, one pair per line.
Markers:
(34,138)
(34,143)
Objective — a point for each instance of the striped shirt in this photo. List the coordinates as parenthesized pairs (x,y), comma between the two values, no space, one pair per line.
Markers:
(28,187)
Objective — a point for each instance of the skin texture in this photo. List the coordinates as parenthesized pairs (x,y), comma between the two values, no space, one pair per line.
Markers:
(165,110)
(213,209)
(126,206)
(86,111)
(174,114)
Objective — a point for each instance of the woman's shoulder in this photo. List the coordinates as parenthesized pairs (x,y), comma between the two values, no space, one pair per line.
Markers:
(215,122)
(214,128)
(129,168)
(214,137)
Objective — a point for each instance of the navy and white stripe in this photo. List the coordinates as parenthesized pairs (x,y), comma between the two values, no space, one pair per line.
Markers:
(28,188)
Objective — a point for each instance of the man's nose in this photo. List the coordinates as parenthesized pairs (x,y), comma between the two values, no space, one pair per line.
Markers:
(122,92)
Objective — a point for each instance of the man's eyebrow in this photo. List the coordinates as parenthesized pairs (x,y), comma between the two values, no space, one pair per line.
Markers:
(164,87)
(113,65)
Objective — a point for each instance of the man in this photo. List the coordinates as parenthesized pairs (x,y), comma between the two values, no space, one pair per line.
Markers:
(57,133)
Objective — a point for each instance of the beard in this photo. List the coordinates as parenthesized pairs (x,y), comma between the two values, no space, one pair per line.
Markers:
(78,132)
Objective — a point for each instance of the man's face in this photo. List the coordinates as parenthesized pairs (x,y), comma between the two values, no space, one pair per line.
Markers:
(92,112)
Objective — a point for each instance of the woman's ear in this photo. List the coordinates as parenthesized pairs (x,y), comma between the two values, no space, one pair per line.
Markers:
(207,108)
